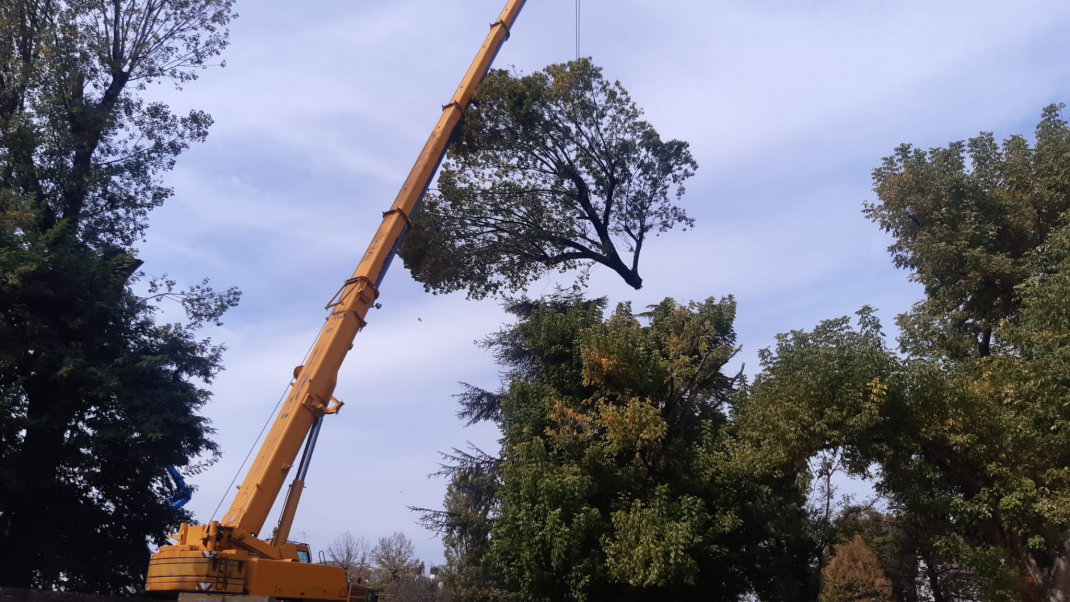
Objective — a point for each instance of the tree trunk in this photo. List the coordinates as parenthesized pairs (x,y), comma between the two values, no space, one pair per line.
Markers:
(933,576)
(35,466)
(984,348)
(1058,586)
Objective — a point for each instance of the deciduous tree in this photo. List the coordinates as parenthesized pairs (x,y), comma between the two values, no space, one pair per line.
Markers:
(967,427)
(617,478)
(96,396)
(854,575)
(396,572)
(553,170)
(966,219)
(353,554)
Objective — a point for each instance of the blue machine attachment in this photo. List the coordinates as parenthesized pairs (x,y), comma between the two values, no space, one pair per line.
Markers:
(183,492)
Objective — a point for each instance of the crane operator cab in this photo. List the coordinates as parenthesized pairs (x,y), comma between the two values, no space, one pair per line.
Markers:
(304,552)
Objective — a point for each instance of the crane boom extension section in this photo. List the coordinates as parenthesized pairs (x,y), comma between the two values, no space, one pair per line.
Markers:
(311,393)
(228,557)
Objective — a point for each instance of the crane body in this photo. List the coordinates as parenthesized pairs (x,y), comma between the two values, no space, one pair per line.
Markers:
(231,557)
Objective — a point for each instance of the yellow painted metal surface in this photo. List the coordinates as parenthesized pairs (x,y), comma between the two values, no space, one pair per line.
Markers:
(197,573)
(236,573)
(296,580)
(191,597)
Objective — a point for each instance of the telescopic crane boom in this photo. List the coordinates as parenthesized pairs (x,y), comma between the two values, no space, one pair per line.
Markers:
(228,556)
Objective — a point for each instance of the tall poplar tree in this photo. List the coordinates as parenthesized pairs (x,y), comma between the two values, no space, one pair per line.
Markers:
(97,397)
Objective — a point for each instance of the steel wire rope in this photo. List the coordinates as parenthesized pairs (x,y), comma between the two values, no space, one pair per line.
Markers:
(264,428)
(577,30)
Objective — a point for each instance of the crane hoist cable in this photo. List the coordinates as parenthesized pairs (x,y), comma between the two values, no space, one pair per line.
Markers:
(577,30)
(261,434)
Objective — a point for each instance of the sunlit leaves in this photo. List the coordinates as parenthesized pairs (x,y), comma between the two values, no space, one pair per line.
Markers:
(653,543)
(853,575)
(617,480)
(965,218)
(968,431)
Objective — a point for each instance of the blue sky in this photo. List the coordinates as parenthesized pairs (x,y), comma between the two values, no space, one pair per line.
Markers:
(788,106)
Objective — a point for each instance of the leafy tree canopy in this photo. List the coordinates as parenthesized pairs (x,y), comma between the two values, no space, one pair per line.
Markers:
(553,170)
(617,479)
(969,438)
(854,575)
(395,566)
(966,220)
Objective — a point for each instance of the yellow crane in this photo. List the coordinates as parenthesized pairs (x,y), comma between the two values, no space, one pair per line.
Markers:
(232,557)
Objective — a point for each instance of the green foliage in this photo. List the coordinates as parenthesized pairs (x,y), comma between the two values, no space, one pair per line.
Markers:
(977,453)
(969,439)
(465,523)
(96,397)
(78,139)
(819,390)
(617,479)
(894,543)
(651,543)
(553,170)
(965,219)
(911,557)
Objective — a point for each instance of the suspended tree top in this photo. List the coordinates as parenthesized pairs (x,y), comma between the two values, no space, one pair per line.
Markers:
(550,171)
